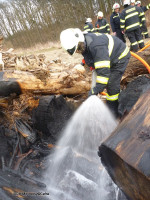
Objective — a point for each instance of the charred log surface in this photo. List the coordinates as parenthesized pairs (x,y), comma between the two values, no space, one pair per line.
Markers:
(129,96)
(51,115)
(126,152)
(5,148)
(25,138)
(28,127)
(8,87)
(14,186)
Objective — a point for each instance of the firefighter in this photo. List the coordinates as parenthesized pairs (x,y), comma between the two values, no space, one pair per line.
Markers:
(107,54)
(130,19)
(132,2)
(102,25)
(115,22)
(88,25)
(143,26)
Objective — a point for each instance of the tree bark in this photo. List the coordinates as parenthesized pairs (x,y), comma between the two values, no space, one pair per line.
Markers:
(126,152)
(70,82)
(135,67)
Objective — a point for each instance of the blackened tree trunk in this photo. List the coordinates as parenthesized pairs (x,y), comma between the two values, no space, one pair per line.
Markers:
(126,153)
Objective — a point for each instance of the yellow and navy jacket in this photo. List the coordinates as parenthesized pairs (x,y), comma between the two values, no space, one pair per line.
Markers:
(88,27)
(102,26)
(131,18)
(145,8)
(104,51)
(115,21)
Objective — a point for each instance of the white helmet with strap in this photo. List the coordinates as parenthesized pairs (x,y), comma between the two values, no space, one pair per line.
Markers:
(115,6)
(100,14)
(138,2)
(70,39)
(88,20)
(126,2)
(132,1)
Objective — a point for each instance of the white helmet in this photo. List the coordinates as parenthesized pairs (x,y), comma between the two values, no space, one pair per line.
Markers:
(100,14)
(126,2)
(70,39)
(138,2)
(115,6)
(88,20)
(132,1)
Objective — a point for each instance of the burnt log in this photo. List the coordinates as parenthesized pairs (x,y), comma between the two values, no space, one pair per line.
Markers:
(14,186)
(8,87)
(126,153)
(135,67)
(51,116)
(129,96)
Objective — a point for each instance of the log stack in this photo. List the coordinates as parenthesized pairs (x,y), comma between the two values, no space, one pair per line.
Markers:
(126,153)
(27,120)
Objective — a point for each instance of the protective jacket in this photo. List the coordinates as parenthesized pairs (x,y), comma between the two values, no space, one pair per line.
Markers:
(102,26)
(88,27)
(131,17)
(143,26)
(115,21)
(105,53)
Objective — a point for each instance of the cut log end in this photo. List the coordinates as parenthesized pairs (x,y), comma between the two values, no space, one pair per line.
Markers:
(126,153)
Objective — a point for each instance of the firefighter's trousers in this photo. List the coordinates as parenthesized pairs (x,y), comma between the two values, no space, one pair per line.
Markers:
(136,39)
(144,31)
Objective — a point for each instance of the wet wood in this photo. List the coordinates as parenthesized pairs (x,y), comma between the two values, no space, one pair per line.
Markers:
(126,153)
(16,186)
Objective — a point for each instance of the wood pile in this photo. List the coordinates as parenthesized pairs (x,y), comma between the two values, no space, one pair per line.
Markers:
(32,112)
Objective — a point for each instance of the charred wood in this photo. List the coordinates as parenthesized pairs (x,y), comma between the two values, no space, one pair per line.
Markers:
(125,154)
(129,96)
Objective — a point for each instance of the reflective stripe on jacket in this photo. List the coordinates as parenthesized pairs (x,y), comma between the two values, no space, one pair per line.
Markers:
(102,26)
(88,27)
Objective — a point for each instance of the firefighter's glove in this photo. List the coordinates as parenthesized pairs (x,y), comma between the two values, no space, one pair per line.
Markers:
(83,62)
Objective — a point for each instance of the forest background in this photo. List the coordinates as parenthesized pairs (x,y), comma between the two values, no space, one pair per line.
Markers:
(25,23)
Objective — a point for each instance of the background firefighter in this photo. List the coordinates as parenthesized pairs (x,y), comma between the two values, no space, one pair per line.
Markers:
(102,26)
(143,25)
(130,20)
(108,54)
(115,22)
(88,25)
(132,3)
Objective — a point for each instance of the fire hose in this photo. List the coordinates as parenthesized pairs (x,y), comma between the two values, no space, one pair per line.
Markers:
(148,45)
(141,60)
